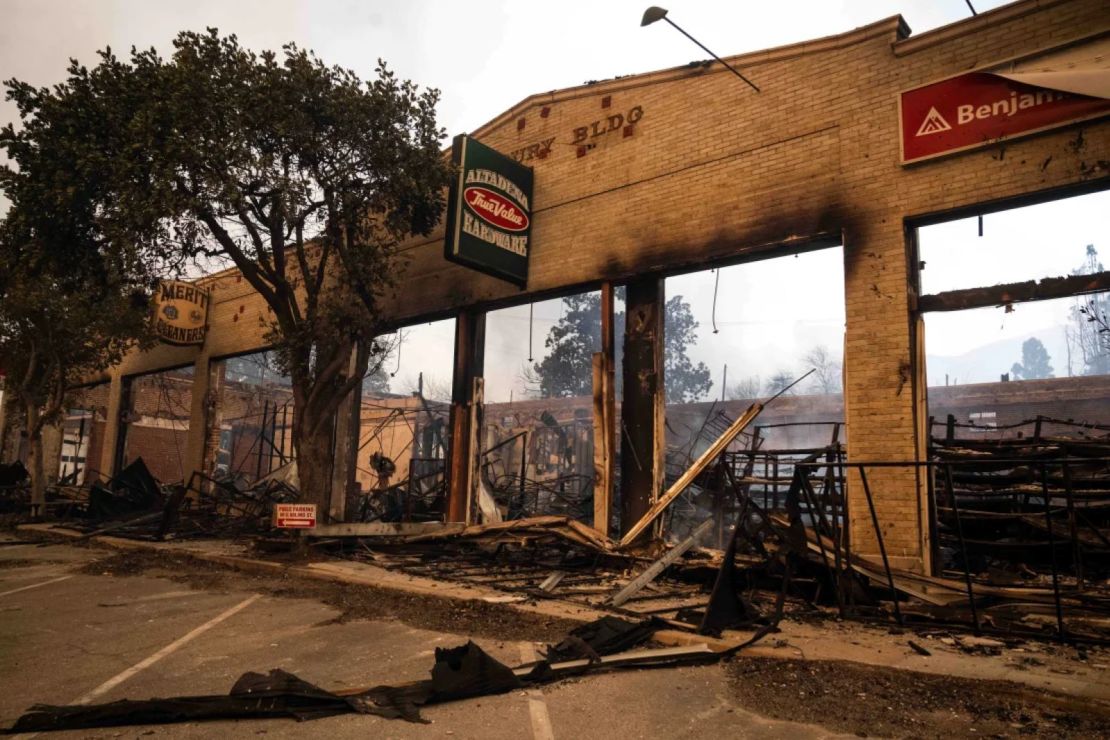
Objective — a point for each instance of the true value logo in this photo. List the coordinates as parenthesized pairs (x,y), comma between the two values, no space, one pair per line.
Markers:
(584,137)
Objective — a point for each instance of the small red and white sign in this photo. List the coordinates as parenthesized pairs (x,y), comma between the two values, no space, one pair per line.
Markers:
(980,108)
(295,516)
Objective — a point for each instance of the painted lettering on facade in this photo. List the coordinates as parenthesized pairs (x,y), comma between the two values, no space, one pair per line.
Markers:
(181,313)
(540,150)
(607,125)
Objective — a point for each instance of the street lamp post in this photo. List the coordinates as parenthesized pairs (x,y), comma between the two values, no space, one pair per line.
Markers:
(654,13)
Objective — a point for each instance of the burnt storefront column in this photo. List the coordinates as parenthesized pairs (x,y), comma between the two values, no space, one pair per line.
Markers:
(344,461)
(470,330)
(604,408)
(642,404)
(204,422)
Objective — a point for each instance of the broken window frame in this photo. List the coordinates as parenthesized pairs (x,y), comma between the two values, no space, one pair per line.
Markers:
(776,468)
(579,433)
(1045,288)
(82,464)
(281,450)
(126,409)
(404,504)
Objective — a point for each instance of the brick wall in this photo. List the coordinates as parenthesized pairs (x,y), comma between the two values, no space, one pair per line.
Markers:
(712,171)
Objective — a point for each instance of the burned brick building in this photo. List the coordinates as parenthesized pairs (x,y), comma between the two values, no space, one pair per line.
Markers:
(856,142)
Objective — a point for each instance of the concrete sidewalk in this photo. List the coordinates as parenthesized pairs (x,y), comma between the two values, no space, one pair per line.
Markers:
(71,633)
(1038,665)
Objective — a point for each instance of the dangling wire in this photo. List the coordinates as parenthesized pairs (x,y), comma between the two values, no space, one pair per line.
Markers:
(713,316)
(398,368)
(531,306)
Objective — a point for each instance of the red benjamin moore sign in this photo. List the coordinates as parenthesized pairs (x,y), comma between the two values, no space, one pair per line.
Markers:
(980,108)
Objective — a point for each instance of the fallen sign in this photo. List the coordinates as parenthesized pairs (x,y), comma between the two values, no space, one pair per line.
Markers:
(458,673)
(295,516)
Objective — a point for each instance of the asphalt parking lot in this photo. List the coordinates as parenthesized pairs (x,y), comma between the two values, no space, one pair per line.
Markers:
(70,634)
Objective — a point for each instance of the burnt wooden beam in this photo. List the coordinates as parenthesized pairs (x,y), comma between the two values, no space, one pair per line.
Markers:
(1030,290)
(470,330)
(642,409)
(604,415)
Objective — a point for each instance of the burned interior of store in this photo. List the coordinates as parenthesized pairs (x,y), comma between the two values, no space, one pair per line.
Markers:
(849,354)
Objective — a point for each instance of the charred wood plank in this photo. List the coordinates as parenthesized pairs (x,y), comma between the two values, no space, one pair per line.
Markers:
(1030,290)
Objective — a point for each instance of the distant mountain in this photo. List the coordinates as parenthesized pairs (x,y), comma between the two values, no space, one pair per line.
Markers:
(987,363)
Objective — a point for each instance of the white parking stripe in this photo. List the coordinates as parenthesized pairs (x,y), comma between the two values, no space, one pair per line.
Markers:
(537,706)
(116,680)
(35,585)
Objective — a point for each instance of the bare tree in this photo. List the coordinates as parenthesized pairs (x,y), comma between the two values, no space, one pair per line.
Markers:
(1088,335)
(827,370)
(430,387)
(532,380)
(746,388)
(779,381)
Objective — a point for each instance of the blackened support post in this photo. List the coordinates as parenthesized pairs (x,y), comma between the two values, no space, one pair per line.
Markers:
(642,409)
(469,351)
(348,421)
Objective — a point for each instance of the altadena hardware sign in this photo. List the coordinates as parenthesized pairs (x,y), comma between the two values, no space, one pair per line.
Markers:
(979,108)
(181,313)
(489,212)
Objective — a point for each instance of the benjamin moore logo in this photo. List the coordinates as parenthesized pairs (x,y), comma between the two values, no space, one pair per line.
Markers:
(978,109)
(934,123)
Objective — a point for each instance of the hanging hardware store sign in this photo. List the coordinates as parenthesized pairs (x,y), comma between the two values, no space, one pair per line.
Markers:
(181,313)
(981,108)
(489,212)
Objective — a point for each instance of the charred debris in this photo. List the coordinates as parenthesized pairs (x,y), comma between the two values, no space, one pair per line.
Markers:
(744,532)
(462,672)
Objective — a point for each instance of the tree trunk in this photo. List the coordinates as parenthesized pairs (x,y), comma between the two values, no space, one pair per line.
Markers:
(315,454)
(35,461)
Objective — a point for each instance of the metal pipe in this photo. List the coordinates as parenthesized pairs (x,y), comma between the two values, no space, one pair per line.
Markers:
(261,438)
(963,548)
(523,465)
(882,546)
(1073,527)
(810,495)
(1052,553)
(846,530)
(704,48)
(941,463)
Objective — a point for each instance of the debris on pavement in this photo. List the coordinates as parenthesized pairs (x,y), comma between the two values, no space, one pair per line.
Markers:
(458,673)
